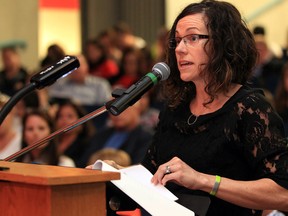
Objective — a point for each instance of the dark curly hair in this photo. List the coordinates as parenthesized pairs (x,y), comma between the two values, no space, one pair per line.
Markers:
(232,52)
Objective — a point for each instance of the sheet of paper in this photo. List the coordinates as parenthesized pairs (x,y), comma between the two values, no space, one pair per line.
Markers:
(157,202)
(143,176)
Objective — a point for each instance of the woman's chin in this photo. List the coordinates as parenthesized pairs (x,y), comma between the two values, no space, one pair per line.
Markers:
(185,78)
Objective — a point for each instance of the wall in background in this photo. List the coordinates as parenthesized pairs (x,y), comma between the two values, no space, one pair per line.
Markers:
(59,22)
(144,17)
(19,21)
(39,24)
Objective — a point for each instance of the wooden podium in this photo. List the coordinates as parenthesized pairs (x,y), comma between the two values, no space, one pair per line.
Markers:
(30,189)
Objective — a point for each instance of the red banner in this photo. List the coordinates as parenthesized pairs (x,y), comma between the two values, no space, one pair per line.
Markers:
(59,4)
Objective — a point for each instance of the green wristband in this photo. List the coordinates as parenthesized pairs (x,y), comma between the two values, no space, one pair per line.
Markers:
(216,186)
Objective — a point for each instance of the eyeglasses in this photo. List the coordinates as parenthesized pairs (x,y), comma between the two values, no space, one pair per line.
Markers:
(189,40)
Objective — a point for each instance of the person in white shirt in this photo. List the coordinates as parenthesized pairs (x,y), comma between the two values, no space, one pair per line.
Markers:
(81,87)
(10,137)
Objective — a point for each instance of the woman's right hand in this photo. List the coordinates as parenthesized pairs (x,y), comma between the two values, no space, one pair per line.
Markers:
(178,172)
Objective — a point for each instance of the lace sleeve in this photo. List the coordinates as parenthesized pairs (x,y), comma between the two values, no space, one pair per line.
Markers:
(263,136)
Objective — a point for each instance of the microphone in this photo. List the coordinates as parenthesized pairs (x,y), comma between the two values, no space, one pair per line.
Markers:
(40,80)
(49,75)
(128,97)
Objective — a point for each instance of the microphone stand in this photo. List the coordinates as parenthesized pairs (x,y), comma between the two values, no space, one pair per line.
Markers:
(58,132)
(109,106)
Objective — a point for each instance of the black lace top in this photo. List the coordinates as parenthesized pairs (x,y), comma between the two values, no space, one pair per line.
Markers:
(243,141)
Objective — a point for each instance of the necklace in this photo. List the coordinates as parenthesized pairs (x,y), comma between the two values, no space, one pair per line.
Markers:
(190,117)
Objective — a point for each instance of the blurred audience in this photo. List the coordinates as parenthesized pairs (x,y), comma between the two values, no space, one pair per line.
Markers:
(37,125)
(74,142)
(87,91)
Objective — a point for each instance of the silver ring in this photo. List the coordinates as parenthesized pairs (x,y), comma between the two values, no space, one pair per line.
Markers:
(167,171)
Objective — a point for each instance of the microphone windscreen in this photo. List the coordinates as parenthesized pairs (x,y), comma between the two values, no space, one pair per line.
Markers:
(162,69)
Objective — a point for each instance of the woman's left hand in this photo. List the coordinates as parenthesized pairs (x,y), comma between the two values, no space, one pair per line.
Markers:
(176,171)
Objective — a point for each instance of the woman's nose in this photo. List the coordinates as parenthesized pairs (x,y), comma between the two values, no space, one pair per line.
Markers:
(181,47)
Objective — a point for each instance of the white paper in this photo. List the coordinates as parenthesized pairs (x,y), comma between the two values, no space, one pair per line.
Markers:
(135,181)
(142,175)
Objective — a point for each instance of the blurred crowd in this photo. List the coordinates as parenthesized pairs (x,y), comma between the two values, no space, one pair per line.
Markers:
(114,59)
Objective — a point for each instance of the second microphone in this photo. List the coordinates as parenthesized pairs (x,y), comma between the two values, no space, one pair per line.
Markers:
(160,72)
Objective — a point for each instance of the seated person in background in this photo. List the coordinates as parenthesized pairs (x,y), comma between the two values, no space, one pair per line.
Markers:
(107,38)
(119,156)
(125,37)
(13,76)
(10,136)
(99,63)
(54,53)
(82,88)
(125,133)
(130,68)
(37,125)
(74,142)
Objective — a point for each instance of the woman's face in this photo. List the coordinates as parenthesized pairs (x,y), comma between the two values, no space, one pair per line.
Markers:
(191,57)
(35,128)
(131,64)
(66,116)
(93,53)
